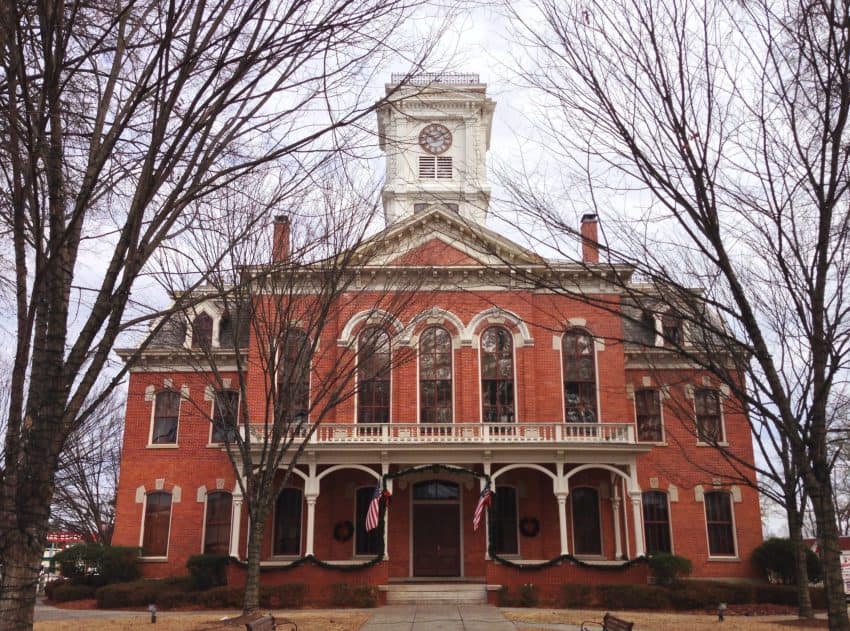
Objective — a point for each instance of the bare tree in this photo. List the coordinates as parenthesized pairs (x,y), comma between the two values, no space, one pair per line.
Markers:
(284,314)
(723,127)
(116,121)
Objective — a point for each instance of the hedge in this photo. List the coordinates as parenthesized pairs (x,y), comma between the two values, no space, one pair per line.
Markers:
(67,592)
(102,565)
(359,596)
(208,570)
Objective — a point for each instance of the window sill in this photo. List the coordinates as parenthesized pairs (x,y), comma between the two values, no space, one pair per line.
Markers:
(657,443)
(153,559)
(163,446)
(214,445)
(719,444)
(729,559)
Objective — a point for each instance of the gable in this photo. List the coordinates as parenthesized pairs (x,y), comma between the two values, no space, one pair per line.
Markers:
(434,252)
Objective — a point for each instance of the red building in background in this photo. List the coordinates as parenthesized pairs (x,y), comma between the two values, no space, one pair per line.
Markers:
(593,435)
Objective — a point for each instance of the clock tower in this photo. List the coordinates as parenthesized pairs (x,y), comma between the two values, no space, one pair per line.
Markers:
(435,133)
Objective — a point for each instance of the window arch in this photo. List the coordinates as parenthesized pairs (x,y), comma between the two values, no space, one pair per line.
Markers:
(497,375)
(202,330)
(166,415)
(656,522)
(587,533)
(373,376)
(287,522)
(435,376)
(157,523)
(217,523)
(578,353)
(293,375)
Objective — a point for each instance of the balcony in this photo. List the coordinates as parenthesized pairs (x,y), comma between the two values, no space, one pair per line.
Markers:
(468,433)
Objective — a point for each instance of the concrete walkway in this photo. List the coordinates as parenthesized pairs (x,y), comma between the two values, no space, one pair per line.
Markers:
(438,618)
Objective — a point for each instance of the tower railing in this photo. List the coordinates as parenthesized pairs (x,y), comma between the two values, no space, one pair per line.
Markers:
(431,78)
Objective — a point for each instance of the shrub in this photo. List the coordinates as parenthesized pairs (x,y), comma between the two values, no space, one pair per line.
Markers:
(528,595)
(575,595)
(668,568)
(169,592)
(110,564)
(222,598)
(286,596)
(208,570)
(360,596)
(776,594)
(67,592)
(504,597)
(51,586)
(633,597)
(776,560)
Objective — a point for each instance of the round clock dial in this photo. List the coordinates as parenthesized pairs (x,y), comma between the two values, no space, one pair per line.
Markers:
(435,138)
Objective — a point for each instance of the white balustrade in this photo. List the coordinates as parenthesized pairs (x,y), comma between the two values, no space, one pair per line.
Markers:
(418,433)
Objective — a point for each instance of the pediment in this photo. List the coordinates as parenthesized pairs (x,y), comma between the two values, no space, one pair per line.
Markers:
(441,238)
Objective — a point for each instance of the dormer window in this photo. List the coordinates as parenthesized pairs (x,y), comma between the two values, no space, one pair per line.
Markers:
(671,329)
(431,167)
(202,331)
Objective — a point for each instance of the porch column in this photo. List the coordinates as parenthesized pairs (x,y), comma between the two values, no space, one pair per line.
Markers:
(640,550)
(311,494)
(481,483)
(615,507)
(235,523)
(385,469)
(562,521)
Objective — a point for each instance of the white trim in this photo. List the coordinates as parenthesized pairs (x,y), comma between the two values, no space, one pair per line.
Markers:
(357,392)
(183,392)
(435,313)
(225,388)
(720,399)
(597,404)
(498,316)
(369,317)
(339,467)
(419,381)
(528,465)
(502,326)
(721,557)
(658,391)
(600,465)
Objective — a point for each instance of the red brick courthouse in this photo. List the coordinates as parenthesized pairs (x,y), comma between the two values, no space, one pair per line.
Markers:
(589,431)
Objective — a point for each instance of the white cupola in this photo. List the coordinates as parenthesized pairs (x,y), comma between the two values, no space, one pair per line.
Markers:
(435,133)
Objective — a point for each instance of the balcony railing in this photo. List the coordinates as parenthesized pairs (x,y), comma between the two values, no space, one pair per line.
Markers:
(466,433)
(431,78)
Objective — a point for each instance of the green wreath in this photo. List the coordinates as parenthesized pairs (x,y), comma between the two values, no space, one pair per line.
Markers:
(529,526)
(343,530)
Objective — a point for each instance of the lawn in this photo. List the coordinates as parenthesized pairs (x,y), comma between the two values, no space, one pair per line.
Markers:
(645,621)
(306,621)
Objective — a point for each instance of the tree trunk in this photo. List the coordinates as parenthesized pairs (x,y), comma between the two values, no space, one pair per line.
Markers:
(827,533)
(22,554)
(804,597)
(252,580)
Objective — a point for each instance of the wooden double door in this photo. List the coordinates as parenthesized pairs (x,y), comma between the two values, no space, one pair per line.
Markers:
(436,529)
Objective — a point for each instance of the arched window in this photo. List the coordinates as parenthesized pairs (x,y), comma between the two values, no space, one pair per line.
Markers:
(497,375)
(165,417)
(656,522)
(718,518)
(365,543)
(586,529)
(579,377)
(293,375)
(504,516)
(435,376)
(202,328)
(157,522)
(217,525)
(373,376)
(287,523)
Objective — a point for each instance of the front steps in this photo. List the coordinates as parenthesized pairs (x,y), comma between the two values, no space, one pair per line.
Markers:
(436,593)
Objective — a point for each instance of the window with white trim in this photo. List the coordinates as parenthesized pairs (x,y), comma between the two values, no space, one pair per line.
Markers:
(648,416)
(157,523)
(656,522)
(435,376)
(709,419)
(719,523)
(225,409)
(166,414)
(578,353)
(217,524)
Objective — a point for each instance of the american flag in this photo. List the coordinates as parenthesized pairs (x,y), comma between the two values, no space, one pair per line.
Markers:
(483,500)
(374,510)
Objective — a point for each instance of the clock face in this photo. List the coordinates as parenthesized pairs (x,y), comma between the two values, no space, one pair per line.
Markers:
(435,138)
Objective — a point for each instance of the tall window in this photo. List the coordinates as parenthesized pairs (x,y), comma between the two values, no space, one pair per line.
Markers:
(202,328)
(217,526)
(586,531)
(165,416)
(287,523)
(718,517)
(648,415)
(579,377)
(157,521)
(656,522)
(365,543)
(709,422)
(373,376)
(503,513)
(497,375)
(294,375)
(435,376)
(225,416)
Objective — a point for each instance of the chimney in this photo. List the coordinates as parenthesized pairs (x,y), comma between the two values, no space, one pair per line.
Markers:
(280,239)
(589,238)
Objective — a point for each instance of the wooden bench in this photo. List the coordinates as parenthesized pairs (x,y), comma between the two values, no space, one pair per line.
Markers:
(263,623)
(609,623)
